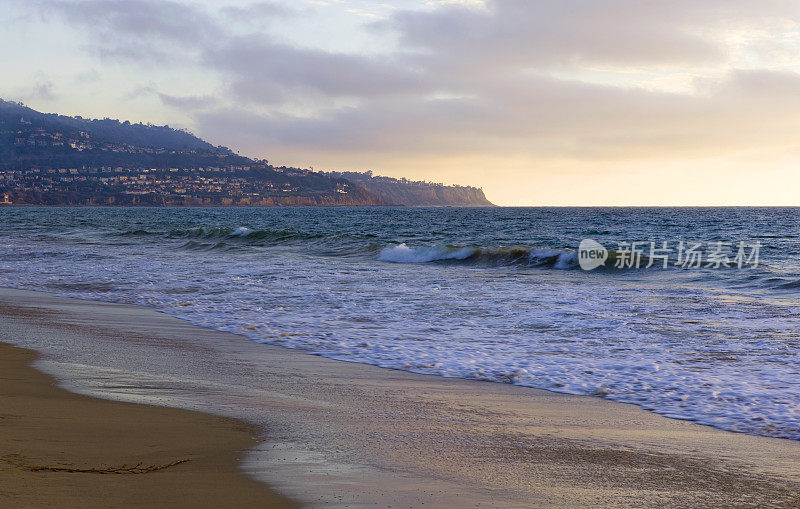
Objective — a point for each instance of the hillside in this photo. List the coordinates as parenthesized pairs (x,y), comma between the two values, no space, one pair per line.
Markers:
(416,193)
(32,139)
(109,130)
(51,159)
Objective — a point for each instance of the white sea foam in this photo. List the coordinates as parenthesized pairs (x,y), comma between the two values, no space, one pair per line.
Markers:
(566,260)
(241,231)
(490,256)
(668,341)
(404,254)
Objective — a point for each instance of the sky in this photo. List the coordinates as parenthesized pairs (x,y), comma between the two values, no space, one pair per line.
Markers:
(560,102)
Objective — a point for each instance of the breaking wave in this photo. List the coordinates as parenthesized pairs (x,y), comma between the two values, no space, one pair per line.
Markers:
(214,238)
(378,287)
(498,256)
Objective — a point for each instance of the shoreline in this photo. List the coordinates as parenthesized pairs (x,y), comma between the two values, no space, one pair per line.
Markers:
(347,433)
(56,446)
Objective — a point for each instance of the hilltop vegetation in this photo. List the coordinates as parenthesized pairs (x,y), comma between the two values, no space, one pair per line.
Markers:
(109,130)
(30,139)
(52,159)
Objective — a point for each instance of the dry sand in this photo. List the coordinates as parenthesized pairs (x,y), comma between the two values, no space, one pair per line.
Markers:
(343,434)
(46,433)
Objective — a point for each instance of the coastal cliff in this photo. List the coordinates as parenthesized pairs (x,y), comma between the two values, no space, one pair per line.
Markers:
(416,193)
(358,197)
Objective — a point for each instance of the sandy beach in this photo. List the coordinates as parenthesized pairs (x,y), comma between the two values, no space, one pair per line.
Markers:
(335,433)
(59,449)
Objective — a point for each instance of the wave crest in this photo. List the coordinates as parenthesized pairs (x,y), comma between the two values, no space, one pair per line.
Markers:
(498,256)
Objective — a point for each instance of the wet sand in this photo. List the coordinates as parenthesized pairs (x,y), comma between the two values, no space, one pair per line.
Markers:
(59,449)
(344,434)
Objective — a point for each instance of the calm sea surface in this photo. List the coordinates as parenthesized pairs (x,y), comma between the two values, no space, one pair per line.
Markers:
(492,294)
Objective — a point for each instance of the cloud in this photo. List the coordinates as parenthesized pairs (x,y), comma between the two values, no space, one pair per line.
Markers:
(187,103)
(541,117)
(536,79)
(42,89)
(256,11)
(512,33)
(147,32)
(146,19)
(86,77)
(261,70)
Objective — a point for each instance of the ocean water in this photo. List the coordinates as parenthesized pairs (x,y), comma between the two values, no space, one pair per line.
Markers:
(490,293)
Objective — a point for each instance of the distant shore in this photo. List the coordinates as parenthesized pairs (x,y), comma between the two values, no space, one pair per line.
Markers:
(341,433)
(179,206)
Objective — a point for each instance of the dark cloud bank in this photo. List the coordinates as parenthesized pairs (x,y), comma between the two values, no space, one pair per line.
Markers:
(515,77)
